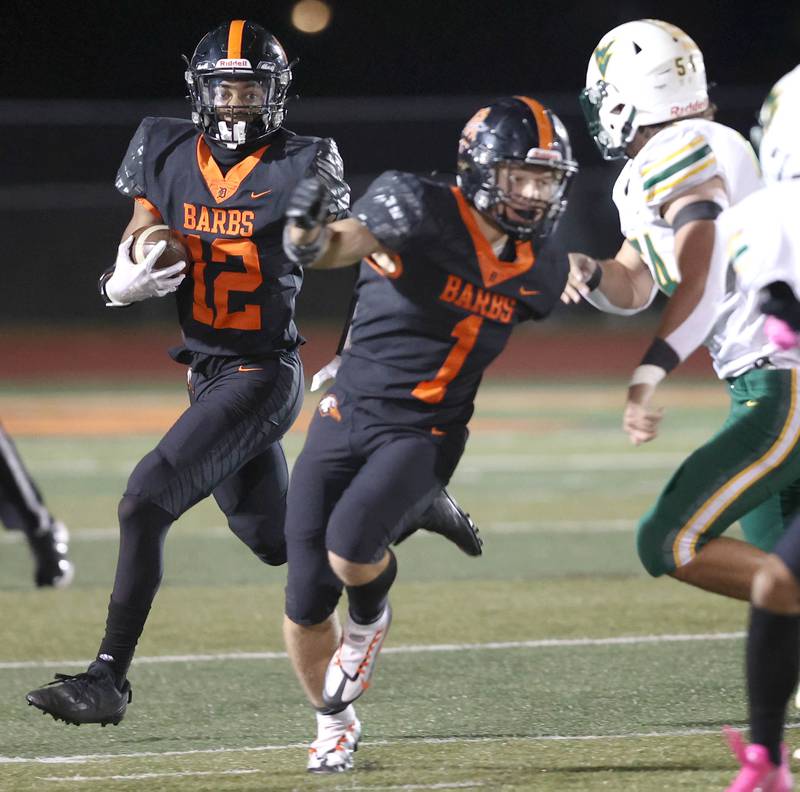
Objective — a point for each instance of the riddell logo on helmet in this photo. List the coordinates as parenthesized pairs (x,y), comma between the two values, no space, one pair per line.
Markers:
(693,107)
(233,63)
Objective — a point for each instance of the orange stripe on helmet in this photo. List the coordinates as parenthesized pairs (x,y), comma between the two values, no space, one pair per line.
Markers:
(543,123)
(235,39)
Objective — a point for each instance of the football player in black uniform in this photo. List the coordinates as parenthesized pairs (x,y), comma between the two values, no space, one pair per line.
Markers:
(450,270)
(23,509)
(223,180)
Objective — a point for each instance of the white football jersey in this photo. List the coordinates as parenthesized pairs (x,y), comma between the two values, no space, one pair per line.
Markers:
(681,156)
(757,242)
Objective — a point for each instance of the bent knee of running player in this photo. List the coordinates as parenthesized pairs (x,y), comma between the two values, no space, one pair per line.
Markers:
(776,586)
(753,457)
(312,588)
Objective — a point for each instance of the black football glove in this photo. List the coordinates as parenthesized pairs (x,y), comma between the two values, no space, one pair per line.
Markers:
(777,299)
(308,204)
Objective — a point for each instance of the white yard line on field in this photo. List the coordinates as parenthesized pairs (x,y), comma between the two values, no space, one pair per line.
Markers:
(148,776)
(88,758)
(603,462)
(541,643)
(504,527)
(450,785)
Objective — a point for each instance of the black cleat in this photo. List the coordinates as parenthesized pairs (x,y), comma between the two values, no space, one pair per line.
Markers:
(49,548)
(446,518)
(91,697)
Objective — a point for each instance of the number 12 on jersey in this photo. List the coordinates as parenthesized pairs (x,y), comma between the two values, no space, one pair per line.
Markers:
(466,334)
(219,287)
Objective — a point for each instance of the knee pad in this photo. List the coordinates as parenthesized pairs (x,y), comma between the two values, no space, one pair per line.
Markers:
(312,604)
(150,481)
(262,535)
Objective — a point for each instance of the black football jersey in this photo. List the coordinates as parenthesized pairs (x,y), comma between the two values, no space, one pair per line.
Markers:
(431,317)
(239,296)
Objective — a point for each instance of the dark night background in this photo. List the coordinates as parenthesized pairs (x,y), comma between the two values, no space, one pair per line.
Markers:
(392,82)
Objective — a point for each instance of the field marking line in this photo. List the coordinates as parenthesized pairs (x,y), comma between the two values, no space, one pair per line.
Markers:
(147,776)
(87,758)
(540,643)
(519,527)
(445,785)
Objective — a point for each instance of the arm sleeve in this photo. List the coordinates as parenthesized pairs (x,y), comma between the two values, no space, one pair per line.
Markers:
(328,167)
(392,208)
(130,179)
(678,158)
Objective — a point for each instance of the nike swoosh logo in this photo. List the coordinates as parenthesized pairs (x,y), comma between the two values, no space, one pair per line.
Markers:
(528,292)
(261,194)
(250,368)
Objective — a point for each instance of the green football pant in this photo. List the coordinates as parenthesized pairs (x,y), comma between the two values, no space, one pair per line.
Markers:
(748,471)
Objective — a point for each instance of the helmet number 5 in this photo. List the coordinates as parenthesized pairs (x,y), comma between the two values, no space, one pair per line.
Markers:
(466,334)
(681,67)
(212,292)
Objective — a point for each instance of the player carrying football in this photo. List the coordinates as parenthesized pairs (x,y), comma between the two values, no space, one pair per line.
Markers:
(451,271)
(646,99)
(223,180)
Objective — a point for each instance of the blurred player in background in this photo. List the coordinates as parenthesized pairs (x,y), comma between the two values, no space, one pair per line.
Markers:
(758,243)
(646,100)
(450,271)
(223,180)
(23,509)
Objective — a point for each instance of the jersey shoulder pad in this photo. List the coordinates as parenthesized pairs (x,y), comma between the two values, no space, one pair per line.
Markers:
(152,136)
(393,208)
(130,179)
(676,159)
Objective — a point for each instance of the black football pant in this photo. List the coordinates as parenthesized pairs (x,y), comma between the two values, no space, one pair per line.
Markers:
(21,504)
(358,483)
(227,443)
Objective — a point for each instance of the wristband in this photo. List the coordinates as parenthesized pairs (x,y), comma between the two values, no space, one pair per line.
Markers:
(595,278)
(661,354)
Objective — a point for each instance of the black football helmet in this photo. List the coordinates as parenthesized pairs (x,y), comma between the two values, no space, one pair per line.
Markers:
(238,78)
(511,133)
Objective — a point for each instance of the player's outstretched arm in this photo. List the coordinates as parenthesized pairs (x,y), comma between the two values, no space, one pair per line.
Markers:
(312,242)
(622,285)
(692,308)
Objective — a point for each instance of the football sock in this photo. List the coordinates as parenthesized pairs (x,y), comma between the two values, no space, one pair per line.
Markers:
(140,567)
(366,603)
(124,625)
(773,662)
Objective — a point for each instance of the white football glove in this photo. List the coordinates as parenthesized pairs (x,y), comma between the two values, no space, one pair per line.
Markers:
(131,282)
(326,373)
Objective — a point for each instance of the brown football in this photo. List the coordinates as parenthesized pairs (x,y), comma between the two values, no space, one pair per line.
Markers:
(144,239)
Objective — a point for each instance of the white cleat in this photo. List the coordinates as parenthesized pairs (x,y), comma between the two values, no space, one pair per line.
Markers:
(337,741)
(353,663)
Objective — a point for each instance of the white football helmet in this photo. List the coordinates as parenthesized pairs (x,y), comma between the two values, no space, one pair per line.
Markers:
(643,72)
(777,136)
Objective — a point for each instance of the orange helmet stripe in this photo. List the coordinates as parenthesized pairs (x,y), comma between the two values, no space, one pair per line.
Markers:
(543,123)
(235,39)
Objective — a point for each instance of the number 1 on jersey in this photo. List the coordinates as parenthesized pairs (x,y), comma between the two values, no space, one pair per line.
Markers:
(466,334)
